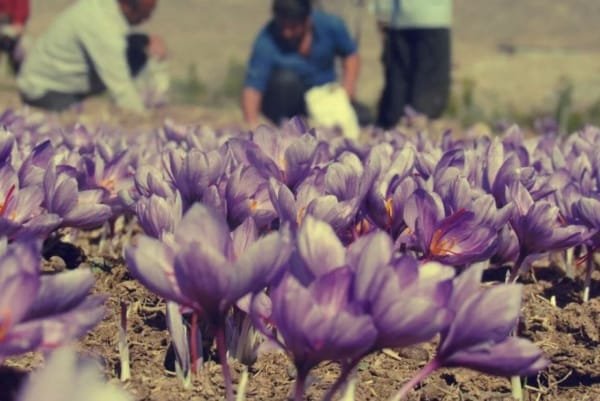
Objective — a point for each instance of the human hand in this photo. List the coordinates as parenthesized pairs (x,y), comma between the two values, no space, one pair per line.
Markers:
(157,48)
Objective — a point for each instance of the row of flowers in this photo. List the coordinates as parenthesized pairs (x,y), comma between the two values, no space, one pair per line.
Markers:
(297,237)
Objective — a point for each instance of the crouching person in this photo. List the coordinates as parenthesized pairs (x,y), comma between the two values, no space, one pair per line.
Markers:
(295,54)
(89,49)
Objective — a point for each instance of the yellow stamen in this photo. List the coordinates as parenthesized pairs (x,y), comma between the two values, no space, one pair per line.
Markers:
(362,227)
(253,204)
(300,215)
(389,208)
(441,246)
(108,184)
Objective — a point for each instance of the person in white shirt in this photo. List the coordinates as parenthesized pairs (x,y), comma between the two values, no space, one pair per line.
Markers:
(416,57)
(89,49)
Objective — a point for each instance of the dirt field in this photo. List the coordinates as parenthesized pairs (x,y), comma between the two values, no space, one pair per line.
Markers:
(569,334)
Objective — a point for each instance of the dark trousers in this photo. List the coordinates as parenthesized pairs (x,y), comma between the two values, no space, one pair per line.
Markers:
(59,101)
(417,73)
(284,98)
(8,45)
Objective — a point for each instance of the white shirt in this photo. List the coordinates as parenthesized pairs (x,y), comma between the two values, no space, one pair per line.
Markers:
(58,62)
(400,14)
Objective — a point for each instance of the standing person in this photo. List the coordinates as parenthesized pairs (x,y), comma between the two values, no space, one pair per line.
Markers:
(13,18)
(294,52)
(416,57)
(88,50)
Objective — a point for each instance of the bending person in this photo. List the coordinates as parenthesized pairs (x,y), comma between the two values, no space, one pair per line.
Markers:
(293,53)
(89,49)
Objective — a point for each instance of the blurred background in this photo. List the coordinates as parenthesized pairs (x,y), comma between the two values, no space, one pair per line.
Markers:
(513,60)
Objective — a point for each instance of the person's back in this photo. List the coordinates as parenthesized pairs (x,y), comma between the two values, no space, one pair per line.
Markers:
(85,51)
(58,60)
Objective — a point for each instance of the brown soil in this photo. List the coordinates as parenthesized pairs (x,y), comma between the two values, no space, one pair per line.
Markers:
(569,333)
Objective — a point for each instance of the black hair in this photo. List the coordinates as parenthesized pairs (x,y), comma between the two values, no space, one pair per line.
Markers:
(134,4)
(295,10)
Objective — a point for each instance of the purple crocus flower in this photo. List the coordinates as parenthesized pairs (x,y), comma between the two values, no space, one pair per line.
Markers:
(287,156)
(538,228)
(76,209)
(79,139)
(312,199)
(502,170)
(408,302)
(31,171)
(21,211)
(203,271)
(42,312)
(247,194)
(479,336)
(149,180)
(320,322)
(454,240)
(193,172)
(111,172)
(158,216)
(385,201)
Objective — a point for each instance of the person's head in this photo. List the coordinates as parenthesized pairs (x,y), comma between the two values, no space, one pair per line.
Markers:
(137,11)
(292,19)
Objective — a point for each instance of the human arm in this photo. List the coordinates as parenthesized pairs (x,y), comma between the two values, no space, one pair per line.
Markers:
(346,48)
(106,49)
(157,48)
(251,101)
(258,71)
(351,69)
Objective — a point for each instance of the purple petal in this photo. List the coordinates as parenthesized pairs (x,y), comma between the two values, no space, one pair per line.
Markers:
(61,329)
(20,339)
(421,214)
(60,292)
(488,315)
(319,246)
(243,237)
(514,356)
(151,262)
(257,266)
(201,223)
(204,276)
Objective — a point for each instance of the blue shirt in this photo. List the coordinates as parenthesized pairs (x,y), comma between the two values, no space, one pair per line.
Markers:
(330,39)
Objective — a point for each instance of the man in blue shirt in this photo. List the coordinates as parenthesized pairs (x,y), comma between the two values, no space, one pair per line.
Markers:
(294,52)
